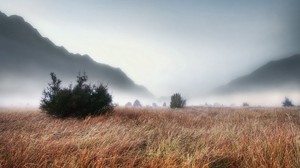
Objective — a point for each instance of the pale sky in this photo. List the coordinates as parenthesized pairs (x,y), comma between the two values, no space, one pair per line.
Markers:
(170,46)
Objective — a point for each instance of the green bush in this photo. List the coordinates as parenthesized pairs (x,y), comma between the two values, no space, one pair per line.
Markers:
(79,101)
(177,101)
(287,103)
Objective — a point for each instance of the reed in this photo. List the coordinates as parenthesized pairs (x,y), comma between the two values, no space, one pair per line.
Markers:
(148,137)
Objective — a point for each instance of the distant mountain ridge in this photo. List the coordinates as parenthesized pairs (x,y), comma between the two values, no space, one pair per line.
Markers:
(275,75)
(28,57)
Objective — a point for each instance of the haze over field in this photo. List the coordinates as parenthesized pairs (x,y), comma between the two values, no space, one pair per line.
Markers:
(157,47)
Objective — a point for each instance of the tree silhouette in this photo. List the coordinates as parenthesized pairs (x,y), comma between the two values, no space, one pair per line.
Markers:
(137,103)
(164,104)
(80,101)
(245,104)
(128,104)
(287,103)
(177,101)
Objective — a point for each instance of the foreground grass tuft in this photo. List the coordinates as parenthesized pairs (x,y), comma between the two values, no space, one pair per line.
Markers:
(190,137)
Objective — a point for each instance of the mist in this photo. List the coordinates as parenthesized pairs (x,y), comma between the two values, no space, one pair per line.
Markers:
(273,98)
(149,50)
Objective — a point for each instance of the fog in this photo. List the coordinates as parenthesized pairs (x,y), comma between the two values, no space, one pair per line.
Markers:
(190,47)
(255,99)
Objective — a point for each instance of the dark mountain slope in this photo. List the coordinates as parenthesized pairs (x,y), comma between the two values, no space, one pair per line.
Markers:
(276,75)
(27,58)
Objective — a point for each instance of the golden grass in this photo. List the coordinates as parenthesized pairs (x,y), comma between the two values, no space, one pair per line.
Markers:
(191,137)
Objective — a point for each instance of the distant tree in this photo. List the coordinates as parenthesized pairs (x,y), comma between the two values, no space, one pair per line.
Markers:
(287,103)
(79,101)
(128,104)
(154,105)
(137,103)
(245,104)
(177,101)
(164,104)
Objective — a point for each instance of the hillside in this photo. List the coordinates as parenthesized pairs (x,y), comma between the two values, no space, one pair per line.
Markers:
(277,75)
(27,58)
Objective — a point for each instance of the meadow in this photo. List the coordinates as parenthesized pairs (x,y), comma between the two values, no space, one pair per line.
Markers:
(153,137)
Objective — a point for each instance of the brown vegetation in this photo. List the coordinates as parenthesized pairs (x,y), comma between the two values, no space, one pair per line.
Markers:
(190,137)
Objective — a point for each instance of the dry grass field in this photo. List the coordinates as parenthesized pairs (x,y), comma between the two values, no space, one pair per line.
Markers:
(145,137)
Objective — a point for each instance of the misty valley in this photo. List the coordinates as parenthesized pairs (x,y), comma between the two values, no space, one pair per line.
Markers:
(164,84)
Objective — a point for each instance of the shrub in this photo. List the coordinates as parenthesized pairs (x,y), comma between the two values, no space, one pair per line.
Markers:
(128,104)
(287,103)
(79,101)
(245,104)
(177,101)
(137,103)
(164,104)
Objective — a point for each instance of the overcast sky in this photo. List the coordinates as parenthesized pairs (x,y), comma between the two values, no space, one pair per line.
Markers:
(170,46)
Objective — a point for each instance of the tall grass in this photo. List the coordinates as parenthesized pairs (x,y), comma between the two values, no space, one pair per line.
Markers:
(190,137)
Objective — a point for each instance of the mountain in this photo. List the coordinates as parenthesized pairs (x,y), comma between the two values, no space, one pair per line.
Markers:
(27,58)
(283,74)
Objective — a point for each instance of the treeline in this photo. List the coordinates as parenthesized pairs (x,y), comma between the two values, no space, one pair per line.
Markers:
(84,99)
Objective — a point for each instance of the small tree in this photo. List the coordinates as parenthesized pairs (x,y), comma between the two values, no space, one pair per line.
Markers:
(177,101)
(137,103)
(164,104)
(245,104)
(80,101)
(128,104)
(287,103)
(50,102)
